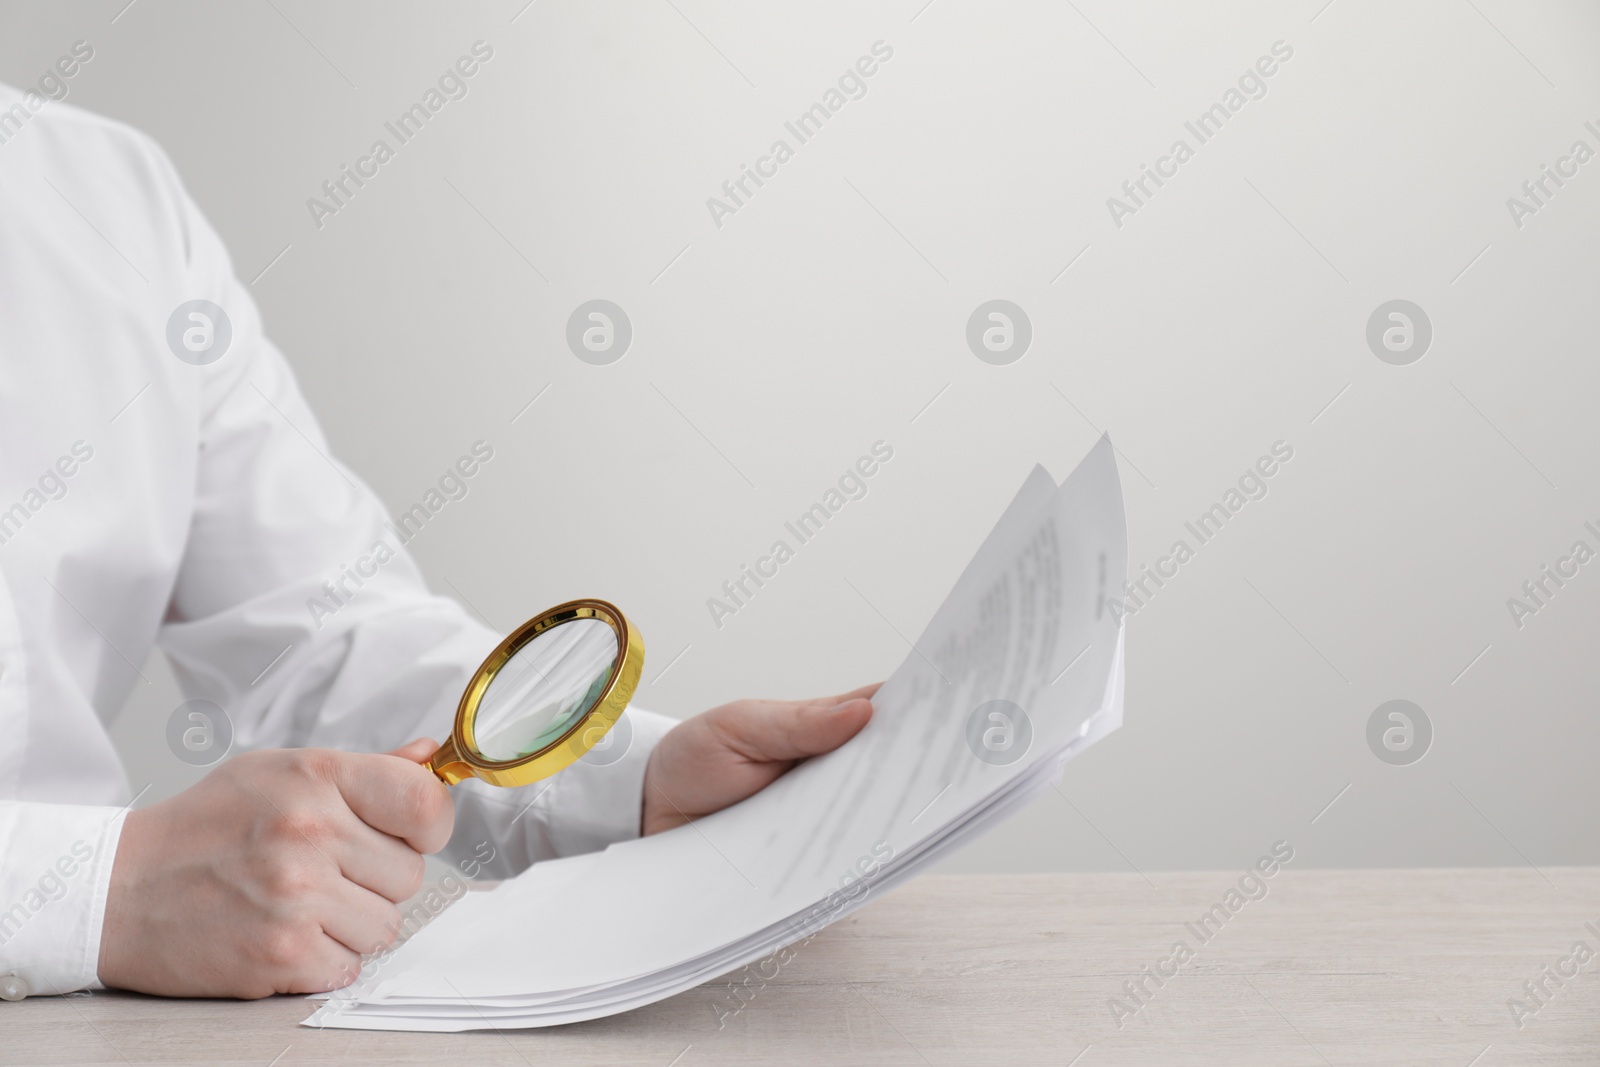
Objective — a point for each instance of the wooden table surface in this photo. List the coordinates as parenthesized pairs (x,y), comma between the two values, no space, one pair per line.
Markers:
(1330,967)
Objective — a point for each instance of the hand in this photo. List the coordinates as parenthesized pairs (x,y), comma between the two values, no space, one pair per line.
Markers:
(718,758)
(273,874)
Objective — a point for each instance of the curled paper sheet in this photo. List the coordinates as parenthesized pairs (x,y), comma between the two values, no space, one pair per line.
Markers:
(1019,670)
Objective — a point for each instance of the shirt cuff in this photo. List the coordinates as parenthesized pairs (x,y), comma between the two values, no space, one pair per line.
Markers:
(55,871)
(593,803)
(599,800)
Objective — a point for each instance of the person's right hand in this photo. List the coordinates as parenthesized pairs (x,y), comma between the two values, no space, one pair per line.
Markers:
(273,874)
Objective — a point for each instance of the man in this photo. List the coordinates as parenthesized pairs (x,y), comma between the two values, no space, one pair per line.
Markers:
(154,491)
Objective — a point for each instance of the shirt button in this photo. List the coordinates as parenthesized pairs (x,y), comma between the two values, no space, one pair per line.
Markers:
(13,987)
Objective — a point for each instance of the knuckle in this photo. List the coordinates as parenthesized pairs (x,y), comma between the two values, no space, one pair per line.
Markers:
(416,870)
(299,826)
(318,764)
(292,881)
(287,946)
(425,804)
(332,967)
(388,919)
(344,976)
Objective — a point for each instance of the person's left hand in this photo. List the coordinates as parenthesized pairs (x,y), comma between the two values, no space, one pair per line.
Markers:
(718,758)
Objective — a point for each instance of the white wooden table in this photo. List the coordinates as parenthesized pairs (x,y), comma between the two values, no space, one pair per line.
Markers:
(1331,967)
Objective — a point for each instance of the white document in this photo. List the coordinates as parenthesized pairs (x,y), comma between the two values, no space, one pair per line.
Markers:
(1028,622)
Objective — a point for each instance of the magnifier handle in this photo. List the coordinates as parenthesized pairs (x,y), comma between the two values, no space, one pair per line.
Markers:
(448,764)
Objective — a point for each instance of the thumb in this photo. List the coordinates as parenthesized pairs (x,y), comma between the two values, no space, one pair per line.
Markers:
(419,751)
(823,729)
(801,730)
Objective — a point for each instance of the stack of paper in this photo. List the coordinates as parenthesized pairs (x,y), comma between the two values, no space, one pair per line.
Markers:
(1028,626)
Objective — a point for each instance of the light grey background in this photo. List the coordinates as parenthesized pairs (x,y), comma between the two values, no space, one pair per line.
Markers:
(1227,314)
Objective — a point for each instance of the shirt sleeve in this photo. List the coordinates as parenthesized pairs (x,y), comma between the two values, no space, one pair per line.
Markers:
(295,608)
(53,891)
(298,610)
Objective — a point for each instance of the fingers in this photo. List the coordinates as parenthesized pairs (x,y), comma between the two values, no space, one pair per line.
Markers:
(419,751)
(385,865)
(296,955)
(826,703)
(866,692)
(396,797)
(784,732)
(361,921)
(819,730)
(324,820)
(325,966)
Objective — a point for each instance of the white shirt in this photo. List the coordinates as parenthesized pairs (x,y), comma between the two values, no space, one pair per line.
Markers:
(147,500)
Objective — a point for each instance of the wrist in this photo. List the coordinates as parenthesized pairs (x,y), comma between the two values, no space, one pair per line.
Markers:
(647,805)
(116,913)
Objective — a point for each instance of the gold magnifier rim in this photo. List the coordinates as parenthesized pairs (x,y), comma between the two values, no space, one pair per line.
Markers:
(458,758)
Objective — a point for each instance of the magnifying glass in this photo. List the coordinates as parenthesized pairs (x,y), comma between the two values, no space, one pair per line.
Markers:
(548,694)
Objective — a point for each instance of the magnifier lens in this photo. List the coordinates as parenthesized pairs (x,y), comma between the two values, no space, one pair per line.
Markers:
(544,688)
